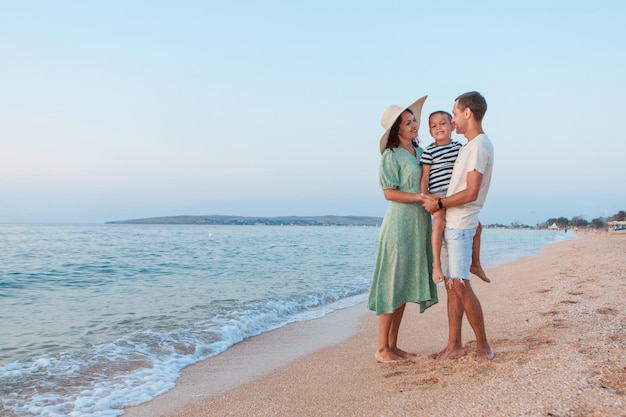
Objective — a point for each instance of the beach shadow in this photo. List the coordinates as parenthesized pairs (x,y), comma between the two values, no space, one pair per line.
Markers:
(614,379)
(425,373)
(519,350)
(610,374)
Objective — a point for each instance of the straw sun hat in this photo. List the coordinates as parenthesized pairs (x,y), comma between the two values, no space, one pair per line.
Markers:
(391,115)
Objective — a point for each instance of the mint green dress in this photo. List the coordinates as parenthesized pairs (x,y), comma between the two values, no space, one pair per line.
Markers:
(404,258)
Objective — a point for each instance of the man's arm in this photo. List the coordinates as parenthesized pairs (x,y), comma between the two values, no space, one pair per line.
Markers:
(469,194)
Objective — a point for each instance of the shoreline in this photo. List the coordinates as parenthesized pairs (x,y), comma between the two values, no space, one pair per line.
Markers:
(542,314)
(254,358)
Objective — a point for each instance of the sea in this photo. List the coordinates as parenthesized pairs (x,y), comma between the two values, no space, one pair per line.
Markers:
(95,318)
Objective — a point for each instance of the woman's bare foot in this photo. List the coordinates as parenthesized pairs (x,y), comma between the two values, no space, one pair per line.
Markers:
(450,354)
(479,272)
(388,357)
(403,354)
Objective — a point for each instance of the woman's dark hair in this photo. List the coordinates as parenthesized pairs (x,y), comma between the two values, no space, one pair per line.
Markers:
(393,140)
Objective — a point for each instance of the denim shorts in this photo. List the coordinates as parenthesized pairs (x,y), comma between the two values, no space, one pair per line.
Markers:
(456,253)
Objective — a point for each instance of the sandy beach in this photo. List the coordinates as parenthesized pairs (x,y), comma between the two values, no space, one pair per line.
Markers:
(556,322)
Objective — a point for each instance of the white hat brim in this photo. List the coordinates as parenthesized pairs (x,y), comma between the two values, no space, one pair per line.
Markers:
(416,108)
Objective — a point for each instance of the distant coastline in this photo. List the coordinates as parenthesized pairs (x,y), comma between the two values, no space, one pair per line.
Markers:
(263,221)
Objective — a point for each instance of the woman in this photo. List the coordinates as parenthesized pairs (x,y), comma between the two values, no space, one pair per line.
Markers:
(404,260)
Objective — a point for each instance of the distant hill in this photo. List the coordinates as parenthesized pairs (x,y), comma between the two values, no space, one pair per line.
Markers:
(273,221)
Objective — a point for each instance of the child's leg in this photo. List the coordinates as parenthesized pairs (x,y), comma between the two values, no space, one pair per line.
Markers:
(477,268)
(439,223)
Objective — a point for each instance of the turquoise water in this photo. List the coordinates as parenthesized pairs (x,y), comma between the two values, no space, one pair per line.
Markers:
(94,318)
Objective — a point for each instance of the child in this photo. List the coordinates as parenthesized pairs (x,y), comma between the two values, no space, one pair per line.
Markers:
(437,162)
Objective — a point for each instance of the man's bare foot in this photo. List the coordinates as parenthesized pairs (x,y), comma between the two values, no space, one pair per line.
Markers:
(388,357)
(479,272)
(485,354)
(403,354)
(450,354)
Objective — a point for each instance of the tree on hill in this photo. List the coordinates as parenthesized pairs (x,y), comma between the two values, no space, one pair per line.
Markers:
(579,221)
(561,222)
(620,216)
(598,223)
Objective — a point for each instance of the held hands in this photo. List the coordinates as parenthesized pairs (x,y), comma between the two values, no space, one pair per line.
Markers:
(430,204)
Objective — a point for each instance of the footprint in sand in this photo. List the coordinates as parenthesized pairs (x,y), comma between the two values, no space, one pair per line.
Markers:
(391,375)
(560,324)
(429,381)
(423,383)
(607,310)
(550,313)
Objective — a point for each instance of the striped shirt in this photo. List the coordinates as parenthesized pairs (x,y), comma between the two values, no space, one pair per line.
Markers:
(441,160)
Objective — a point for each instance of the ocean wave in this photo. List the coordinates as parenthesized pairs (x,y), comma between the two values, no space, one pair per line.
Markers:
(100,380)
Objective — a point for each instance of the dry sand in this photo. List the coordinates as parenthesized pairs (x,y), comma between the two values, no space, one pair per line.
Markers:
(556,322)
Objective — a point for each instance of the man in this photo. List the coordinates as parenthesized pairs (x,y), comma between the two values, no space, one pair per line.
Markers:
(466,195)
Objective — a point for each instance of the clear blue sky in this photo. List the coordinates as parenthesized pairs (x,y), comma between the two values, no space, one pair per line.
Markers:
(117,110)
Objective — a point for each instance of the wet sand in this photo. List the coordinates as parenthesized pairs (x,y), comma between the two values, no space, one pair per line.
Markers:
(556,322)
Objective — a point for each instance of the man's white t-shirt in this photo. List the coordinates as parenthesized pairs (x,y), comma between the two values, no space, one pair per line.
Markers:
(477,154)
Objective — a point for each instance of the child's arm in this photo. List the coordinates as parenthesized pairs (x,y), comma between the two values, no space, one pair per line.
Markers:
(425,178)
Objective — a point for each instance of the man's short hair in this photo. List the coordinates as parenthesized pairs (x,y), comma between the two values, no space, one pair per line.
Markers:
(475,102)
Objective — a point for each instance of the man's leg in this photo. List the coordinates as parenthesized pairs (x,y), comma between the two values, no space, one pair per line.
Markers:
(458,244)
(454,348)
(450,255)
(474,312)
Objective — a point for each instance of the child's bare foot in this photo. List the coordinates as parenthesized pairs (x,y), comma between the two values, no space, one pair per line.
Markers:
(450,354)
(479,272)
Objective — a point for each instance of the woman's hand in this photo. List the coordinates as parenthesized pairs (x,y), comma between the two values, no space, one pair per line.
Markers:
(430,204)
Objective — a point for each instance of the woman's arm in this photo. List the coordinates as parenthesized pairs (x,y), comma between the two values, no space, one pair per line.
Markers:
(402,197)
